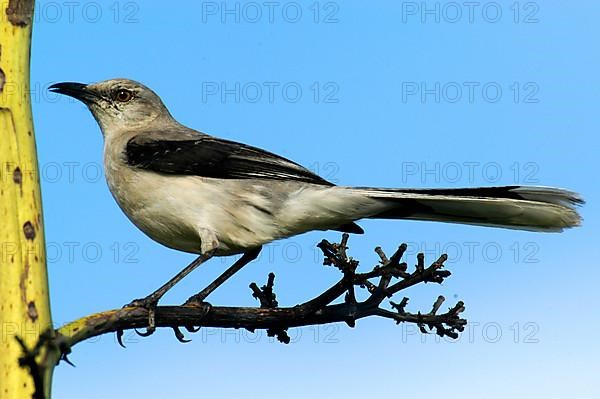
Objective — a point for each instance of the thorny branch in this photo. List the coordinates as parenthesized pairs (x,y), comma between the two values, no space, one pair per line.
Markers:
(383,281)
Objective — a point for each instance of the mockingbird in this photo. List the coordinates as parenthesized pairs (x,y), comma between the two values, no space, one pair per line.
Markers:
(209,196)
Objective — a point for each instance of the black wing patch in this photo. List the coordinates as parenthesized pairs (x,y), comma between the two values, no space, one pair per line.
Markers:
(208,156)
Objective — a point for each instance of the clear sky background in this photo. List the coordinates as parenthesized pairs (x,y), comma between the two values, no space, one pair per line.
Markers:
(384,94)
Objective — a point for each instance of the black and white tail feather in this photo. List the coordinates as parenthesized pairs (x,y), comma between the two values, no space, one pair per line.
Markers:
(530,208)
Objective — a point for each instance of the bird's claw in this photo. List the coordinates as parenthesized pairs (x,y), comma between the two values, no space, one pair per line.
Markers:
(192,329)
(149,331)
(120,334)
(149,303)
(179,335)
(151,324)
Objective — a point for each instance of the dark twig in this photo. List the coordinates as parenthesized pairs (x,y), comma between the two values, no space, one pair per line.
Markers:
(49,341)
(28,360)
(400,306)
(268,300)
(437,304)
(265,295)
(322,310)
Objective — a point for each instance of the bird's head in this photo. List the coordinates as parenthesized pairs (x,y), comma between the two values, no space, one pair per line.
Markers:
(117,104)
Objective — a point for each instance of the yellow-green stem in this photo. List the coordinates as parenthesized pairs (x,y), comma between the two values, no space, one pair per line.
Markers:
(24,301)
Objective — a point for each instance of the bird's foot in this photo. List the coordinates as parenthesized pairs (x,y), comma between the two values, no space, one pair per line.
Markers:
(150,303)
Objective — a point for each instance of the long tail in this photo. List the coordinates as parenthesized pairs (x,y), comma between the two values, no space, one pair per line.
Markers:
(514,207)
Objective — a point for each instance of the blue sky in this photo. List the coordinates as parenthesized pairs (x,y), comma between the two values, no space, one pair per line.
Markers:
(389,94)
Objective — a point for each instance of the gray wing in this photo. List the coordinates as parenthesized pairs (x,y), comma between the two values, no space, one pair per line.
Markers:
(209,156)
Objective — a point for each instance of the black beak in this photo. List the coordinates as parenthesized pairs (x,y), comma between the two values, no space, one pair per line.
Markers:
(78,91)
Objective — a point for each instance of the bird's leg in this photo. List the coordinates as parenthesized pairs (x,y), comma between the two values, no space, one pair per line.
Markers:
(246,258)
(151,300)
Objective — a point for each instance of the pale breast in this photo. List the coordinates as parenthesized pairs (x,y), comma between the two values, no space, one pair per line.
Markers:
(153,203)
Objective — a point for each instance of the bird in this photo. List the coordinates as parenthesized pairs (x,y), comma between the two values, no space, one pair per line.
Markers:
(209,196)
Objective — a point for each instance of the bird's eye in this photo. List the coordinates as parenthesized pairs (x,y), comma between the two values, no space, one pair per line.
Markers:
(123,95)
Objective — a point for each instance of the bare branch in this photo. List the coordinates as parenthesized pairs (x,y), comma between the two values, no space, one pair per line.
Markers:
(276,320)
